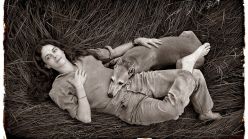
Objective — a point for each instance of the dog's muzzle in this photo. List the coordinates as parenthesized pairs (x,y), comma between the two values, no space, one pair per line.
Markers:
(113,89)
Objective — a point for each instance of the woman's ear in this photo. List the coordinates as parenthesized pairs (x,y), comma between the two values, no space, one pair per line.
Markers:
(47,66)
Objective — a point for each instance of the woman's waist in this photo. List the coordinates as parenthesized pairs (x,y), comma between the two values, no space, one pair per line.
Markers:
(124,103)
(97,95)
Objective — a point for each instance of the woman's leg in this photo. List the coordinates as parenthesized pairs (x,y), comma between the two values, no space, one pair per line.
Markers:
(197,65)
(151,110)
(201,98)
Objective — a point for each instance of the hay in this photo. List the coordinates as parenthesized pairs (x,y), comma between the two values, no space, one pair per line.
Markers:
(94,23)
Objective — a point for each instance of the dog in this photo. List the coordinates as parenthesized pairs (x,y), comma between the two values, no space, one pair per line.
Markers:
(140,58)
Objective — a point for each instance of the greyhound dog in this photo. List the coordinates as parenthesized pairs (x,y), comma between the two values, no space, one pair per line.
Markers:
(140,58)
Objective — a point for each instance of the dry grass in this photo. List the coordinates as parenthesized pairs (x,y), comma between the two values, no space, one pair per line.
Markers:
(94,23)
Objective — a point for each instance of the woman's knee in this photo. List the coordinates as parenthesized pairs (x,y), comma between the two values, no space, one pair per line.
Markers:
(197,74)
(199,78)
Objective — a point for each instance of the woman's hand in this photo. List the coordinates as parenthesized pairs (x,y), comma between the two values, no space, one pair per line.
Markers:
(79,78)
(148,42)
(83,110)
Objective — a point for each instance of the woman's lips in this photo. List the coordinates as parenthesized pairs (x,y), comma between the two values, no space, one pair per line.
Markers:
(58,59)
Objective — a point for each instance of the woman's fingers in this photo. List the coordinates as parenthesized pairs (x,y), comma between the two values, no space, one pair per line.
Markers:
(157,41)
(154,44)
(85,75)
(76,73)
(82,75)
(82,72)
(147,45)
(79,78)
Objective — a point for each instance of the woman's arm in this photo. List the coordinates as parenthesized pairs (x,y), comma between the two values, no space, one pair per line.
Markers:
(106,55)
(120,50)
(83,111)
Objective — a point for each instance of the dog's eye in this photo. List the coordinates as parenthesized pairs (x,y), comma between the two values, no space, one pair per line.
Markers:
(120,83)
(115,66)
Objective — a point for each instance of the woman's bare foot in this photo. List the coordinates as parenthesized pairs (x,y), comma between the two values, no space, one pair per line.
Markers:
(189,61)
(210,116)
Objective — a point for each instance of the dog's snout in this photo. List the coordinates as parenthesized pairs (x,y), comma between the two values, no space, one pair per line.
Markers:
(110,95)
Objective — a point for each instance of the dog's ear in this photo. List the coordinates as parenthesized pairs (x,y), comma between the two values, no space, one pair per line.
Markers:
(119,61)
(112,63)
(131,71)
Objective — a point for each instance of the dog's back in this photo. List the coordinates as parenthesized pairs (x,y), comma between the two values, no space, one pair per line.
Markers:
(139,56)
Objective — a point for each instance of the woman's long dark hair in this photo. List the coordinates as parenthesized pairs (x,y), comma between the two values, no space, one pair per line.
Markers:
(43,78)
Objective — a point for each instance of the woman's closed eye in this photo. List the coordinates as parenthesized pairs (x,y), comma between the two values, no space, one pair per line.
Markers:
(48,56)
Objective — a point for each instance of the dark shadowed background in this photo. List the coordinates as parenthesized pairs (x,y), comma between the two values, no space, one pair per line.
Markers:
(96,23)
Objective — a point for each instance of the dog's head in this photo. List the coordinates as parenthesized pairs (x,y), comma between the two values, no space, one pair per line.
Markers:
(123,70)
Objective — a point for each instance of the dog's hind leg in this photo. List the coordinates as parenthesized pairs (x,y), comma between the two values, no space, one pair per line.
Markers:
(191,35)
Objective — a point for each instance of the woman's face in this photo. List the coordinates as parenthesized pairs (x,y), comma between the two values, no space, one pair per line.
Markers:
(52,56)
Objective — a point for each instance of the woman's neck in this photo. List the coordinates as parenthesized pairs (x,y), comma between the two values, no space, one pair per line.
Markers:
(66,68)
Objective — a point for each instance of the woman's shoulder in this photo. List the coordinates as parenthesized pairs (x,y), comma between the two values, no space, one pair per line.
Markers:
(61,81)
(101,54)
(60,88)
(86,59)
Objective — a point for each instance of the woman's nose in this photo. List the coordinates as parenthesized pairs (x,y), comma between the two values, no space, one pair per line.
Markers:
(54,56)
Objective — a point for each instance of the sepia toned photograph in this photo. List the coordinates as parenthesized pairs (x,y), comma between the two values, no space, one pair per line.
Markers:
(124,69)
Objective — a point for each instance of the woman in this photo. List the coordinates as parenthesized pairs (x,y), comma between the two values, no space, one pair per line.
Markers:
(83,85)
